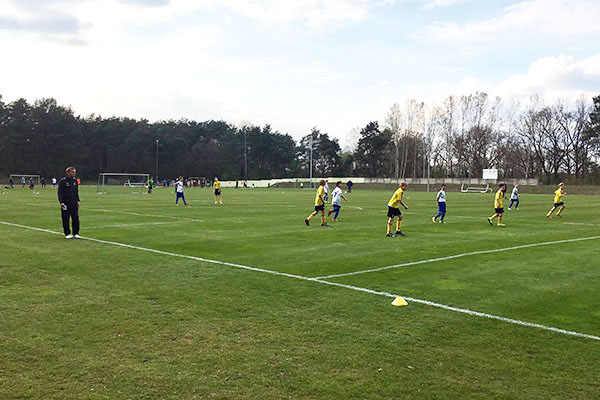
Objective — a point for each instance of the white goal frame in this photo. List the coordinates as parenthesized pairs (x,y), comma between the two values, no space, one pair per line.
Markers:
(127,184)
(36,179)
(475,189)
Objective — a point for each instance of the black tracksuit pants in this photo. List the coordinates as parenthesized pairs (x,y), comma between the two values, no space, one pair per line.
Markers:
(71,212)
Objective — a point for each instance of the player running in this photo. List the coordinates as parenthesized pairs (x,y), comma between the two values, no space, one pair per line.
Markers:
(558,194)
(514,197)
(441,202)
(179,191)
(336,201)
(394,211)
(217,187)
(498,205)
(319,205)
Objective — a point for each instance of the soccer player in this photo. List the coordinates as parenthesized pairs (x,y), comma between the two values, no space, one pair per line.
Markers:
(394,211)
(319,205)
(23,182)
(31,184)
(558,194)
(53,181)
(43,182)
(336,201)
(217,187)
(441,202)
(11,183)
(326,188)
(68,197)
(179,191)
(498,205)
(150,185)
(514,197)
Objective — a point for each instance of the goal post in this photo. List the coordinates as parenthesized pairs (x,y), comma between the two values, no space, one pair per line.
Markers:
(122,183)
(17,178)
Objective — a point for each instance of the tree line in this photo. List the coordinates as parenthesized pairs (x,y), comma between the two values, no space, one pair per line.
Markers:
(458,138)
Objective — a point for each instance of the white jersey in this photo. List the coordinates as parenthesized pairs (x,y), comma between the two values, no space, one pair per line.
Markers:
(515,194)
(441,196)
(54,181)
(179,186)
(326,188)
(336,199)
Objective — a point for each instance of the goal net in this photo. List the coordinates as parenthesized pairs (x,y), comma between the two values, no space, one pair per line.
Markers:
(475,188)
(18,179)
(121,183)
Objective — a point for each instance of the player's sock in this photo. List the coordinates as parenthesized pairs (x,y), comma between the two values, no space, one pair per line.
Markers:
(499,219)
(389,227)
(310,216)
(398,225)
(442,219)
(323,219)
(493,217)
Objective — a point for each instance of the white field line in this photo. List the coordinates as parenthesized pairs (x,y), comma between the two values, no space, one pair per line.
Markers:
(580,223)
(125,212)
(128,225)
(471,253)
(316,280)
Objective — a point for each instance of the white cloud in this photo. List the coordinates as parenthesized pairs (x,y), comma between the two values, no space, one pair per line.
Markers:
(440,3)
(549,17)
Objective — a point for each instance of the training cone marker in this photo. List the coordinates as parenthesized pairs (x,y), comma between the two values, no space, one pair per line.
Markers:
(399,302)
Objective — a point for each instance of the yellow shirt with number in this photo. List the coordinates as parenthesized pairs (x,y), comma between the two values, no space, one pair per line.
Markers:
(320,194)
(217,185)
(499,199)
(396,198)
(558,196)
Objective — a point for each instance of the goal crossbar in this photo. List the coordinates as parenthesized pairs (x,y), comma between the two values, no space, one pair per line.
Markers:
(475,189)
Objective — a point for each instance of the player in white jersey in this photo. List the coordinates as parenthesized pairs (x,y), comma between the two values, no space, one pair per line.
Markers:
(326,189)
(336,201)
(514,197)
(441,202)
(179,191)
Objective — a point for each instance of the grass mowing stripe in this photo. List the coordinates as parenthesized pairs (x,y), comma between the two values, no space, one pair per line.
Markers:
(341,285)
(138,224)
(471,253)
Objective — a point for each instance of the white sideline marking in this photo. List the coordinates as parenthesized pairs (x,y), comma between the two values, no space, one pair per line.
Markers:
(317,280)
(356,207)
(471,253)
(580,223)
(125,212)
(127,225)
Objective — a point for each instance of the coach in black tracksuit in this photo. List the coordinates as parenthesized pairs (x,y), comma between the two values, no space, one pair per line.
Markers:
(68,197)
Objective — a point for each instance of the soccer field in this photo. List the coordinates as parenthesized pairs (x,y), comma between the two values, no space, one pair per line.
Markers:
(243,301)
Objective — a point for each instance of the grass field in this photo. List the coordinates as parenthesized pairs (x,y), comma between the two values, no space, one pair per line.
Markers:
(163,319)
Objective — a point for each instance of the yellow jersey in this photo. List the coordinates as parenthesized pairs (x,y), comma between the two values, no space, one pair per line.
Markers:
(217,185)
(396,198)
(320,195)
(558,195)
(499,199)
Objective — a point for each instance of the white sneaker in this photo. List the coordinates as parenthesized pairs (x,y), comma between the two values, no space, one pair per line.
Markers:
(77,237)
(69,236)
(508,208)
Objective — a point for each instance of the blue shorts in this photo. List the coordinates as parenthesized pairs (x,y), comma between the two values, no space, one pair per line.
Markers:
(442,207)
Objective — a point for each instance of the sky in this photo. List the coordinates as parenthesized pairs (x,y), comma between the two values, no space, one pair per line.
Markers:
(293,64)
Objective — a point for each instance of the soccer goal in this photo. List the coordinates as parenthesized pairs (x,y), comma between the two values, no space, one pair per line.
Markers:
(475,189)
(17,179)
(122,183)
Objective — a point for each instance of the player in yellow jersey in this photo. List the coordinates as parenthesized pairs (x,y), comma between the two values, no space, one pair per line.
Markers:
(394,210)
(498,205)
(217,187)
(319,205)
(558,194)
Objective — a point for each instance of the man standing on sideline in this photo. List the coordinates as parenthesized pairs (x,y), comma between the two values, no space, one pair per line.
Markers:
(68,197)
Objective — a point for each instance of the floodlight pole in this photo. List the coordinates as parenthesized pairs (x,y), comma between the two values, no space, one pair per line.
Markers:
(245,155)
(156,176)
(311,160)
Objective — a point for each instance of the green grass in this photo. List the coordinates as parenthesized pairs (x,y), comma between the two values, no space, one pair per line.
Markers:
(87,320)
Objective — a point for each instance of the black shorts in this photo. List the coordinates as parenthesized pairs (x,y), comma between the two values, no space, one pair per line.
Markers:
(562,203)
(217,192)
(499,210)
(392,212)
(320,208)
